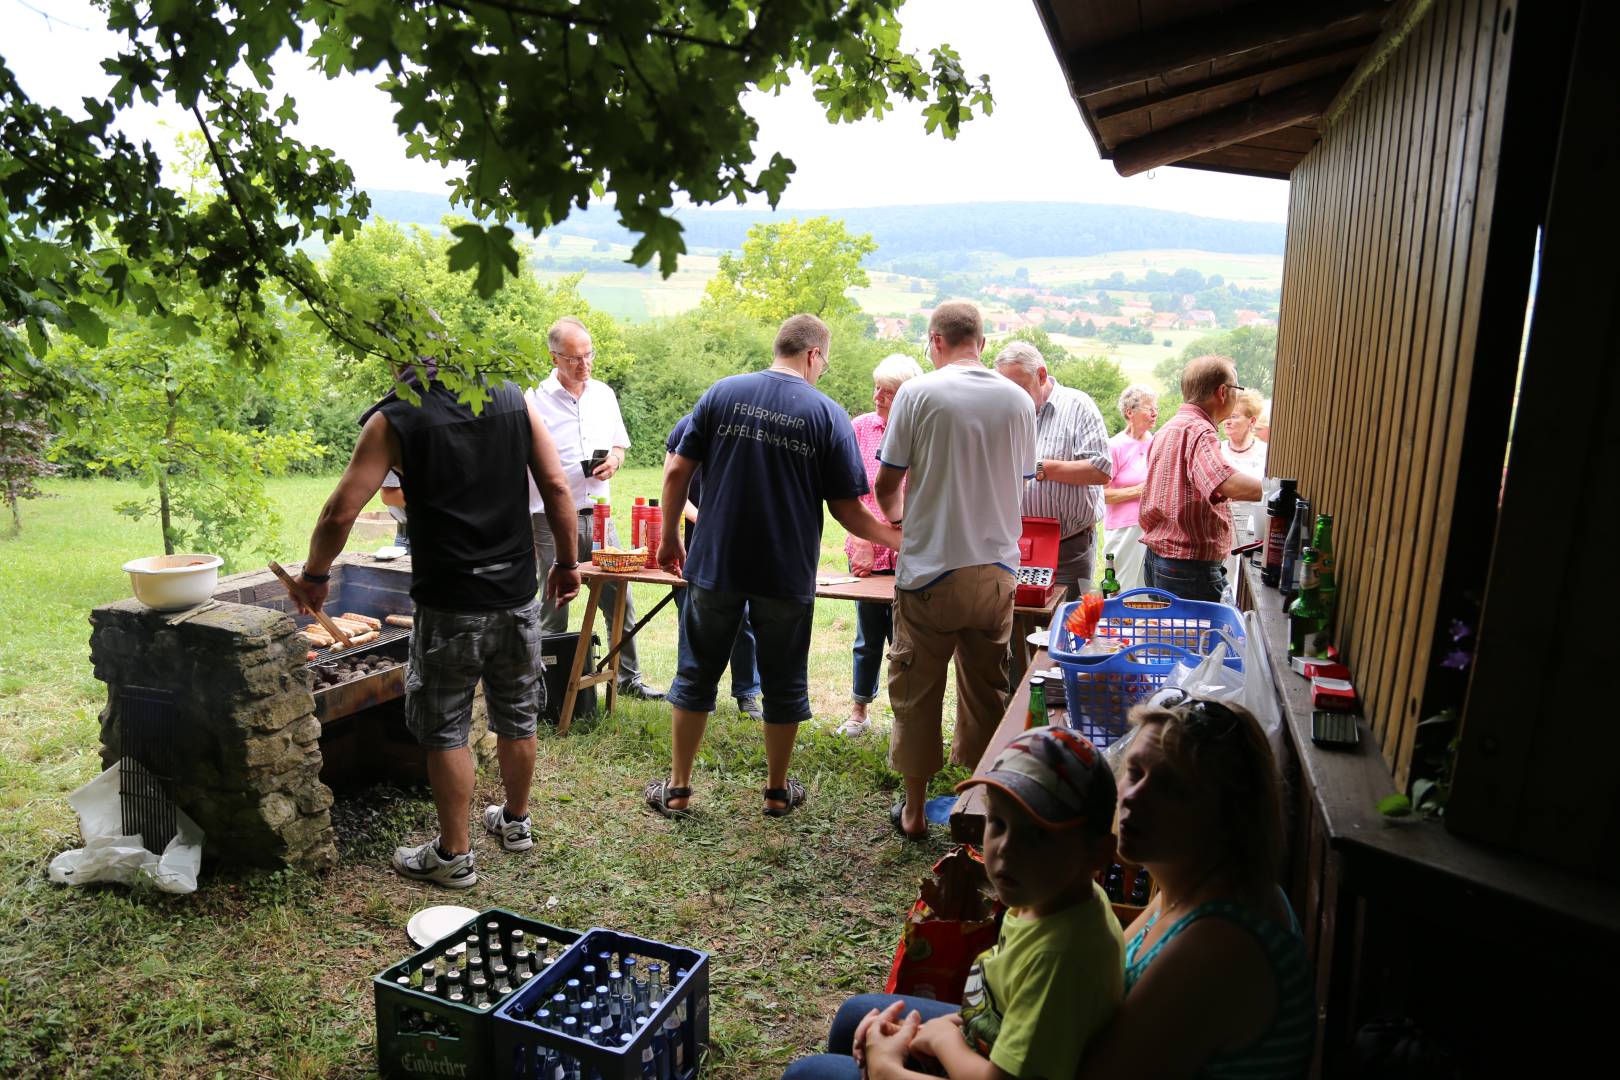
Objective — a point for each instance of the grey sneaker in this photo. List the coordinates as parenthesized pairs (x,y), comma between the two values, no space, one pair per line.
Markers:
(515,835)
(423,864)
(749,706)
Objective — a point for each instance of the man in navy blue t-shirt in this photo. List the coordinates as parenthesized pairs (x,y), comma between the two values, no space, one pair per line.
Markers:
(773,448)
(744,671)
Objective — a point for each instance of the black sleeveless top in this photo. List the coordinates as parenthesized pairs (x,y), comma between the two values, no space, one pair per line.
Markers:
(466,484)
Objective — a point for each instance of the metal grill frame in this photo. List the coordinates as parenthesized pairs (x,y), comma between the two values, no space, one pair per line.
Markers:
(147,719)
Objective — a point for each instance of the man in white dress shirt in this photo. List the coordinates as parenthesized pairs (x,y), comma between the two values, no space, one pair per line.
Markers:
(582,415)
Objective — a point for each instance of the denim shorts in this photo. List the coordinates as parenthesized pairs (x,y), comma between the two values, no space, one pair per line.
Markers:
(451,651)
(709,622)
(1190,579)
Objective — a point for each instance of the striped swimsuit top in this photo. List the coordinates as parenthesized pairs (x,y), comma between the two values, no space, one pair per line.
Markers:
(1284,1050)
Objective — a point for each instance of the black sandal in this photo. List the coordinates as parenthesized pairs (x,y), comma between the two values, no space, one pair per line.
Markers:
(897,817)
(659,792)
(793,795)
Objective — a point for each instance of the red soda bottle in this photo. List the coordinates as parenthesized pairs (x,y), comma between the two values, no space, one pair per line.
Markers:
(652,531)
(638,523)
(599,520)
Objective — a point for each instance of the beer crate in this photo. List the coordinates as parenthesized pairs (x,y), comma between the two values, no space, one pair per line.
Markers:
(422,1034)
(521,1044)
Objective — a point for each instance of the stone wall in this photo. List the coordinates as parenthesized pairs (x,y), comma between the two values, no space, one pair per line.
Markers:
(246,738)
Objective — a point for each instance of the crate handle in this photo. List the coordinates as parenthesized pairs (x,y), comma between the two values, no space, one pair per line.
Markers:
(1146,593)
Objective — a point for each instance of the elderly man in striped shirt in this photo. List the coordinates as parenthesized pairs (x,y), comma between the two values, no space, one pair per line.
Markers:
(1073,463)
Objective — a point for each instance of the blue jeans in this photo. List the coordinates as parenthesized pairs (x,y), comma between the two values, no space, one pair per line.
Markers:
(744,669)
(874,629)
(709,624)
(836,1063)
(1190,579)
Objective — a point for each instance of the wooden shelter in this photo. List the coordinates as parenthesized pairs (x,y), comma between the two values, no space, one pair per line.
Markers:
(1446,387)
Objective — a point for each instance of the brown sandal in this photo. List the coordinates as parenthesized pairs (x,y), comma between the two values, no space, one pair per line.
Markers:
(793,795)
(659,792)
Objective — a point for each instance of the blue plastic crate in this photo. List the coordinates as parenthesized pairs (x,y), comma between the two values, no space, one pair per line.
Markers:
(520,1042)
(1158,630)
(1149,616)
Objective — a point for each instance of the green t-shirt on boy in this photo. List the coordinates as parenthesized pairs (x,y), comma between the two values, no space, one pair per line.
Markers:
(1034,1000)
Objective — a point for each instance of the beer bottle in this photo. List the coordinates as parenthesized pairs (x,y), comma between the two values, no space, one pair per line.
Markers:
(1299,534)
(1036,717)
(1141,887)
(1114,883)
(1279,514)
(675,1044)
(655,985)
(1307,624)
(1327,580)
(1110,583)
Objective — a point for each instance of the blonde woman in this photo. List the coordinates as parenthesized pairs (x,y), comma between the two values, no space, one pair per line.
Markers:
(1243,446)
(874,624)
(1122,498)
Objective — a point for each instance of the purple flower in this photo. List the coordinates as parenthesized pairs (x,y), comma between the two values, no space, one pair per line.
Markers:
(1460,630)
(1457,659)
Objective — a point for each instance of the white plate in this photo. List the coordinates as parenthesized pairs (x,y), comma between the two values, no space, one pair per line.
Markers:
(1039,638)
(433,924)
(390,552)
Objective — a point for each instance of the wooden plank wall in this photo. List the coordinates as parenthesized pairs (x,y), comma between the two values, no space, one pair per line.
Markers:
(1388,221)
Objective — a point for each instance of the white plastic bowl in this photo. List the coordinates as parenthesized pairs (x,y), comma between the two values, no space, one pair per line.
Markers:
(172,582)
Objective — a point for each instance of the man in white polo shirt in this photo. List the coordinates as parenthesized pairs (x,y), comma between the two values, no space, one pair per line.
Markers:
(582,415)
(966,438)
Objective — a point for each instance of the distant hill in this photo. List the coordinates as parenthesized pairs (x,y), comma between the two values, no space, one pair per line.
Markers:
(1016,229)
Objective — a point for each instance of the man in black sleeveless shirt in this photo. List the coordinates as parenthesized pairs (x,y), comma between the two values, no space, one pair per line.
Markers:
(465,479)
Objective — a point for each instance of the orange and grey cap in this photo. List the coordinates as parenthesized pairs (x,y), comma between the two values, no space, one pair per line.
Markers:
(1057,776)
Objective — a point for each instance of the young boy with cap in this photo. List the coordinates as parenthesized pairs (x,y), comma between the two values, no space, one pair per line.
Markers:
(1056,972)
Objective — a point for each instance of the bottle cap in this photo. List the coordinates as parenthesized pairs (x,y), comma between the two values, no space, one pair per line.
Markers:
(652,502)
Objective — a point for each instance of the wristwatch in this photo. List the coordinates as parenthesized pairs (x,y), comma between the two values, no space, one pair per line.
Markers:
(566,565)
(1040,469)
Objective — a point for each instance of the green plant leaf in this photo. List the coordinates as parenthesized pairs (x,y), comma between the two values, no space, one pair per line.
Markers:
(1395,806)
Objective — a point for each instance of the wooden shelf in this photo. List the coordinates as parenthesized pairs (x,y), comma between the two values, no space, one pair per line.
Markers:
(1415,859)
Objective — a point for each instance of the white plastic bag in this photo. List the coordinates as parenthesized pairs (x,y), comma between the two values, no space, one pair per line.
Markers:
(1260,684)
(109,855)
(1212,679)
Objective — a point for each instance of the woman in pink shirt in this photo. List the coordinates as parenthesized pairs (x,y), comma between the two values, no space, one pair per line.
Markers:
(874,626)
(1123,496)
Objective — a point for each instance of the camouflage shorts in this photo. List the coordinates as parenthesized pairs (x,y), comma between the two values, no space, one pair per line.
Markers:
(451,651)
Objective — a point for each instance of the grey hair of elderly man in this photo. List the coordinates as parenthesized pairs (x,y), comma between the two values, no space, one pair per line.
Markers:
(1022,363)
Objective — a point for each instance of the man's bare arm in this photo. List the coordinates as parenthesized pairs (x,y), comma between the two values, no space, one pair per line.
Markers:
(890,491)
(375,453)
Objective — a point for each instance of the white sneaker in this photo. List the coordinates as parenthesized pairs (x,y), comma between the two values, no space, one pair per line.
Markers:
(423,864)
(853,726)
(515,835)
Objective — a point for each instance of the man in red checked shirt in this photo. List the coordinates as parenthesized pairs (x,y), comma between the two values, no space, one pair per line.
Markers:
(1186,520)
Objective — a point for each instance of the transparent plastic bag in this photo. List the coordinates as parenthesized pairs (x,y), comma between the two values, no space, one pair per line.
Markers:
(109,855)
(1212,679)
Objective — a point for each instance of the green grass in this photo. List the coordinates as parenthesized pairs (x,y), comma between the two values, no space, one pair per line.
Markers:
(268,974)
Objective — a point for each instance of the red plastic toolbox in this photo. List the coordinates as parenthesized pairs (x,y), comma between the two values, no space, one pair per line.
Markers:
(1037,550)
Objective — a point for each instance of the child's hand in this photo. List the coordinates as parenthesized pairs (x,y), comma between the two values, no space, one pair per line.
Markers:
(886,1021)
(887,1045)
(938,1033)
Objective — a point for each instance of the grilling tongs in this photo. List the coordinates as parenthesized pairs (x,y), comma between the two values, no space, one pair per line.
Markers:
(297,592)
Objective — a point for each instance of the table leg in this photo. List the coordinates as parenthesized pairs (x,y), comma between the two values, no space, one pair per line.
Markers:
(581,651)
(616,635)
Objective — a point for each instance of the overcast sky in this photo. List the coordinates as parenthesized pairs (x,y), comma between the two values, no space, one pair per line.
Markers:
(1033,148)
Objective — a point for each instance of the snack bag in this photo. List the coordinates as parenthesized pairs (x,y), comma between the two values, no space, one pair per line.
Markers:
(955,918)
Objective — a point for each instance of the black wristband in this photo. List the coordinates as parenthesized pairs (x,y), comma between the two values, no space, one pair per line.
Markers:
(566,565)
(316,579)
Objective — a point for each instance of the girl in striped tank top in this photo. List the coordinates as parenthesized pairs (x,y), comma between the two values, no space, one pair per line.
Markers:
(1217,983)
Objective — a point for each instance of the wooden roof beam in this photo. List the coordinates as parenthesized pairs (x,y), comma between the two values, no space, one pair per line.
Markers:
(1200,41)
(1338,56)
(1296,104)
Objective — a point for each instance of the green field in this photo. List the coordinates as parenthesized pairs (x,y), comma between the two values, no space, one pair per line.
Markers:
(263,974)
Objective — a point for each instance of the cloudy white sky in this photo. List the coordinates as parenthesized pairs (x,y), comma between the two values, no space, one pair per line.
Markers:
(1033,148)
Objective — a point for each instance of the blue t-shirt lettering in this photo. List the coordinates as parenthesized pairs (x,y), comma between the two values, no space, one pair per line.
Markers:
(773,449)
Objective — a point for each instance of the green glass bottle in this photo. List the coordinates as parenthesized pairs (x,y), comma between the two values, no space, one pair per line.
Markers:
(1110,582)
(1307,622)
(1327,578)
(1036,717)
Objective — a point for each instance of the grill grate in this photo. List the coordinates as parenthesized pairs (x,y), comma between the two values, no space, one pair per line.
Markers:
(146,722)
(384,637)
